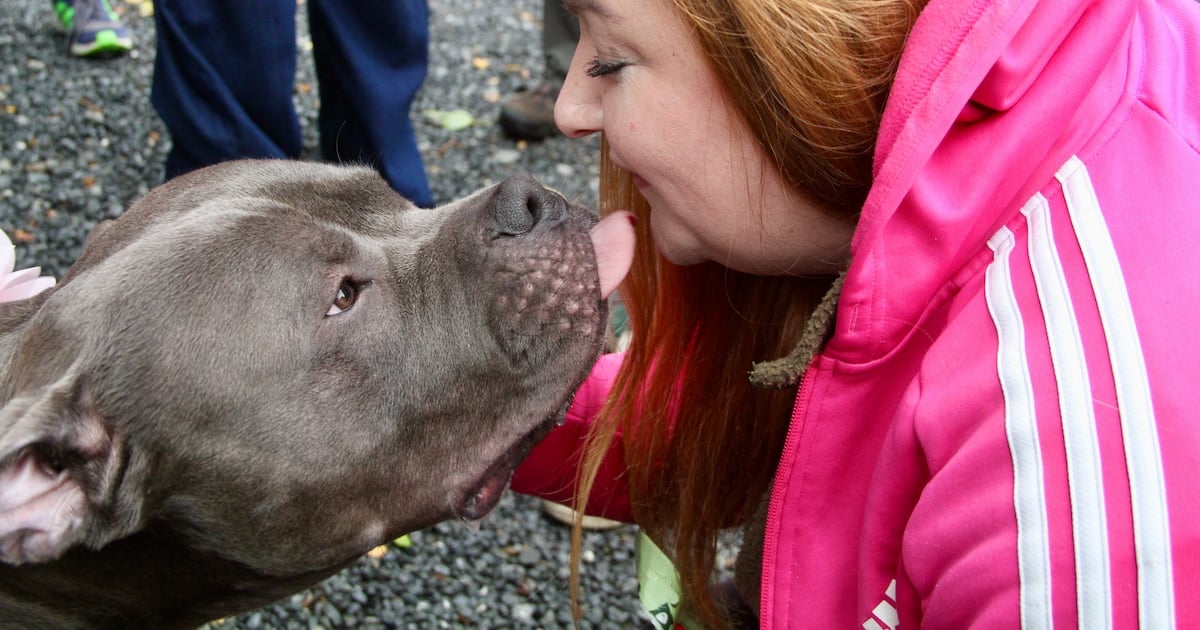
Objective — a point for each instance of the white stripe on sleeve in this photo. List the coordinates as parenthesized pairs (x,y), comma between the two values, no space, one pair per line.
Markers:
(1020,422)
(1085,476)
(1156,600)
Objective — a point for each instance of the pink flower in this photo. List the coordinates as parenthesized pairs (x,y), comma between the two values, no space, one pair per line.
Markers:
(21,284)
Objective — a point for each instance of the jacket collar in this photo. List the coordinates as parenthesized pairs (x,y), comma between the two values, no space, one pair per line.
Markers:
(984,107)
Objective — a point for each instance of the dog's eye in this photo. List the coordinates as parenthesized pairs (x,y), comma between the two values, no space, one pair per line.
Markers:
(347,293)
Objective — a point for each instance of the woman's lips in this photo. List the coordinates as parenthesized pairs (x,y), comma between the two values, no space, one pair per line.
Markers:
(639,182)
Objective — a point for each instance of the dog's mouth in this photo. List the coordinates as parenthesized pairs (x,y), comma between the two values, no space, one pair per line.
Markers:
(608,248)
(483,496)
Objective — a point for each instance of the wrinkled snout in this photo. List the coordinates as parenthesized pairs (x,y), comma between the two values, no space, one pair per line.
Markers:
(521,203)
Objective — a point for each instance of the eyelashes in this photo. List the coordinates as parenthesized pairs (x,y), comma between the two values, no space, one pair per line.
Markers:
(597,68)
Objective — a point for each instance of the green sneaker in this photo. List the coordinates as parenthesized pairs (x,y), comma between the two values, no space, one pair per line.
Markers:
(95,28)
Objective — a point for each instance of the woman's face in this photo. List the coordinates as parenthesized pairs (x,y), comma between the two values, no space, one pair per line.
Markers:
(639,76)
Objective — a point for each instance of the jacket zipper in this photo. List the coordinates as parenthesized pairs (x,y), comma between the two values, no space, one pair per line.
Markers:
(786,463)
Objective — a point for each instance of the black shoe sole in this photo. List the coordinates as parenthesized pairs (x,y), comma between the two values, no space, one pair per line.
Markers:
(517,129)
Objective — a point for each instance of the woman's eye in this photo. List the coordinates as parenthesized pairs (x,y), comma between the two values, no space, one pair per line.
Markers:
(597,68)
(347,293)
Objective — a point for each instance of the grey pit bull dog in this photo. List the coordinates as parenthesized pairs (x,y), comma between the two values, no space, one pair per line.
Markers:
(265,368)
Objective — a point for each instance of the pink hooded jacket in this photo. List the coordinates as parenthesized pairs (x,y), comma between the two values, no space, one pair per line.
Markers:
(1004,429)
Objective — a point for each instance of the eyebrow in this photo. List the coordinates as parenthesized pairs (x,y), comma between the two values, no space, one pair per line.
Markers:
(579,7)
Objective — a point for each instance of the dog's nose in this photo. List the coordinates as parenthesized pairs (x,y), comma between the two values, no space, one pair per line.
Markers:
(522,202)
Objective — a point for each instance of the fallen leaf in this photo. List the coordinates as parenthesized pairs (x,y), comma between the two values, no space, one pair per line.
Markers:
(90,105)
(378,552)
(23,236)
(481,63)
(453,120)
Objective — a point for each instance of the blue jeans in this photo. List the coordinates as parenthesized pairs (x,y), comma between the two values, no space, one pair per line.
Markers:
(224,74)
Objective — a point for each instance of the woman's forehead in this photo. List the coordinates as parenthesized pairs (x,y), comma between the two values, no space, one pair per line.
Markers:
(614,10)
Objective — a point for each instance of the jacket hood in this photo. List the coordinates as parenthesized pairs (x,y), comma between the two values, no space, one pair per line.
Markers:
(974,125)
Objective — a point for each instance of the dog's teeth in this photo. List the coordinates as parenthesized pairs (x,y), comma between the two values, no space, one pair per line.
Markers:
(472,526)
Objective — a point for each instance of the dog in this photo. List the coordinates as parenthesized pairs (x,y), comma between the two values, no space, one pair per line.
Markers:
(265,368)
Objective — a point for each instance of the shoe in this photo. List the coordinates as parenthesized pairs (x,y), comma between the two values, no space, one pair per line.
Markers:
(95,28)
(529,114)
(566,516)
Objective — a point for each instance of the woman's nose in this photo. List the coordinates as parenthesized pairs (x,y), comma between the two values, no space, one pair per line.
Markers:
(572,119)
(577,110)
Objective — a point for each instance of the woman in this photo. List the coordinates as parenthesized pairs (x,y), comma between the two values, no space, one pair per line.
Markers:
(967,228)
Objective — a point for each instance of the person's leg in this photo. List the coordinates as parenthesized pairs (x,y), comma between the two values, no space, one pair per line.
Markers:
(528,114)
(371,59)
(223,79)
(560,35)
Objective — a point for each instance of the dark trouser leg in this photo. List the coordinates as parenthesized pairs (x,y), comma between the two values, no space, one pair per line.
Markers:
(372,57)
(223,80)
(560,35)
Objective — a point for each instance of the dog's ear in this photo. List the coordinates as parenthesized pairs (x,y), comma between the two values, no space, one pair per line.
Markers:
(59,463)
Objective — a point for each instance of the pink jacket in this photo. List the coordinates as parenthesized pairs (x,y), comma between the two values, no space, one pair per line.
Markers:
(1004,429)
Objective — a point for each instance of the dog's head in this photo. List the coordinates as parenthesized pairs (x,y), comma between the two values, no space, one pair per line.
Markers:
(288,363)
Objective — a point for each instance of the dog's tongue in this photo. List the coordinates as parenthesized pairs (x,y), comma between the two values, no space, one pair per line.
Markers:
(613,240)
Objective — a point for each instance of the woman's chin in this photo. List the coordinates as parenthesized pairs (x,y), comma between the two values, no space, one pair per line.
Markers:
(678,255)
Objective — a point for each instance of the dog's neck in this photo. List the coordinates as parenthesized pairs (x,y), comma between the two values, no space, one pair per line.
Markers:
(13,319)
(148,580)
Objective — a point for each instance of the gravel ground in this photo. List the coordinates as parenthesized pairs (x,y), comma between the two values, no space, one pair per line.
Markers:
(79,142)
